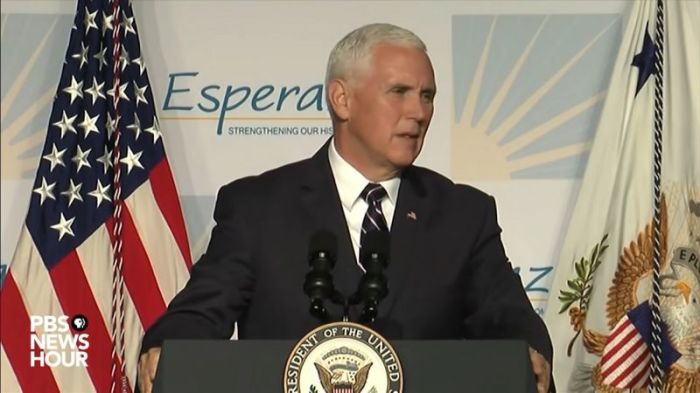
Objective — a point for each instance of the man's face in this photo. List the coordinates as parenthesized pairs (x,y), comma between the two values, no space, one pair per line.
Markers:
(390,105)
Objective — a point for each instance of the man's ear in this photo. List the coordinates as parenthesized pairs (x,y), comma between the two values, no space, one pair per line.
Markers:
(339,98)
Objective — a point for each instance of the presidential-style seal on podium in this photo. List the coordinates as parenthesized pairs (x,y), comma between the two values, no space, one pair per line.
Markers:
(343,357)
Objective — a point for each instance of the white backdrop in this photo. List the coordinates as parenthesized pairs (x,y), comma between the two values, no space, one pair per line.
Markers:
(520,85)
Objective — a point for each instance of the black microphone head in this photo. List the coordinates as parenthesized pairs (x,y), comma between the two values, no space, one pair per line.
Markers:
(375,242)
(323,241)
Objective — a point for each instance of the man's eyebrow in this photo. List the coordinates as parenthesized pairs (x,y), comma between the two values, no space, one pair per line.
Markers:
(399,85)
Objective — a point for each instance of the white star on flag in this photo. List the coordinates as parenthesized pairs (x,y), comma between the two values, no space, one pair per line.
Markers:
(55,157)
(127,24)
(142,65)
(81,158)
(89,124)
(82,55)
(95,90)
(89,20)
(107,22)
(111,125)
(131,160)
(124,59)
(100,56)
(136,127)
(64,227)
(154,130)
(140,93)
(73,192)
(100,193)
(106,159)
(66,124)
(75,89)
(45,191)
(122,91)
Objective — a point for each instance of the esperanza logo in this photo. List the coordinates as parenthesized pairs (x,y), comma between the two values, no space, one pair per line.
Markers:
(221,99)
(54,345)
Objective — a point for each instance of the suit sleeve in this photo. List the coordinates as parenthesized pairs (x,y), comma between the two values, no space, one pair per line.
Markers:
(497,305)
(220,284)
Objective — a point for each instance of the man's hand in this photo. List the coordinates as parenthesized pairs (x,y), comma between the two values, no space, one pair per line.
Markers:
(147,369)
(542,370)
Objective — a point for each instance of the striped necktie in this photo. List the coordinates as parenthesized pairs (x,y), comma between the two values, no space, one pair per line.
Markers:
(374,217)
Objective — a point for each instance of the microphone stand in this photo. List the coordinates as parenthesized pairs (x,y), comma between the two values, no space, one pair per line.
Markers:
(318,284)
(372,288)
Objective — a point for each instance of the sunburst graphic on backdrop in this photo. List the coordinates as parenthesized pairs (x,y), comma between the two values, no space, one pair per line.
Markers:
(33,47)
(528,90)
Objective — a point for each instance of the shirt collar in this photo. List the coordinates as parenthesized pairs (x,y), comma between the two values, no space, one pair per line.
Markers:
(351,182)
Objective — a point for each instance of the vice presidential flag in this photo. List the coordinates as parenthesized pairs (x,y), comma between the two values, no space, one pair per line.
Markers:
(619,323)
(103,248)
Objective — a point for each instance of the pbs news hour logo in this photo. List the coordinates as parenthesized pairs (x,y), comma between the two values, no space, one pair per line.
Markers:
(58,341)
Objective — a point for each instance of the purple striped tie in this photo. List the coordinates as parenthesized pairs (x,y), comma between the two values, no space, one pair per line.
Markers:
(374,218)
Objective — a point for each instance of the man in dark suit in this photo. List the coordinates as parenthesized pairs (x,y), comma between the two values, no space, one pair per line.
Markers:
(448,275)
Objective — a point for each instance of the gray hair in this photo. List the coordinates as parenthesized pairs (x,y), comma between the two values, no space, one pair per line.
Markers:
(356,47)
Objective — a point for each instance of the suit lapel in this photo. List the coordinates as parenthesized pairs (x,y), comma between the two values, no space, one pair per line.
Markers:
(321,203)
(320,199)
(408,231)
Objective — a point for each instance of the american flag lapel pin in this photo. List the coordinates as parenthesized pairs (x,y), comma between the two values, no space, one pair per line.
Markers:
(412,215)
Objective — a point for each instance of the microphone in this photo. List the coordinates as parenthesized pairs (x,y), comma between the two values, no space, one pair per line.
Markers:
(373,287)
(318,284)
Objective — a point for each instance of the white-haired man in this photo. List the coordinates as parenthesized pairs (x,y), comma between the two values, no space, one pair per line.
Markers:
(449,276)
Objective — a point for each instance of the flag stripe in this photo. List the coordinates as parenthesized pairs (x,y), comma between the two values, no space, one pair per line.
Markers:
(95,256)
(8,382)
(634,376)
(166,260)
(39,298)
(98,273)
(133,332)
(642,379)
(622,355)
(621,337)
(76,297)
(31,379)
(636,356)
(162,180)
(623,359)
(139,277)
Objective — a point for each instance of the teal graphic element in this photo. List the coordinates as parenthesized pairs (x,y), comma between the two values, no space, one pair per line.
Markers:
(533,87)
(3,272)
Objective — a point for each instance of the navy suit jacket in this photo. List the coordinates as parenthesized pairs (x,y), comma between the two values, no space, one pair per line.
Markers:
(448,273)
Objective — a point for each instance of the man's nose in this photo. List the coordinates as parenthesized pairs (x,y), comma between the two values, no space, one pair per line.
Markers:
(417,108)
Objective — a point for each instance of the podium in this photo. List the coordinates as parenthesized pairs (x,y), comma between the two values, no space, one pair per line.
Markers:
(256,366)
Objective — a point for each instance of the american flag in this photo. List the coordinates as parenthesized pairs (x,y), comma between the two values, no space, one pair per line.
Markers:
(626,361)
(104,236)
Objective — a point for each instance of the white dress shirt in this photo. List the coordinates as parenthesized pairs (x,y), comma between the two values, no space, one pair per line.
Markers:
(350,184)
